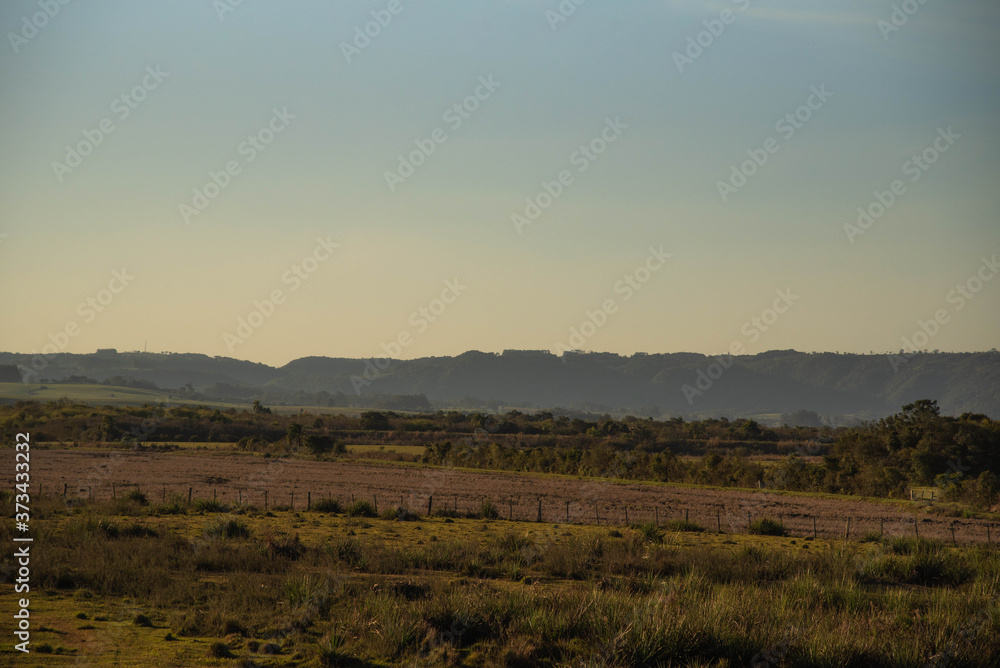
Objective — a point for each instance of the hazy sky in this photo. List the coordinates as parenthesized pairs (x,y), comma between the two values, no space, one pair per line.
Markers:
(312,117)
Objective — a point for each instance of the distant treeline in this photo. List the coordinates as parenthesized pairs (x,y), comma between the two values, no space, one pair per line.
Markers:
(918,446)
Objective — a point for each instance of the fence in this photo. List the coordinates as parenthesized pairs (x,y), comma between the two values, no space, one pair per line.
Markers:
(718,517)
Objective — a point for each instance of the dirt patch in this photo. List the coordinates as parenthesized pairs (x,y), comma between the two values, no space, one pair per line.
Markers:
(291,482)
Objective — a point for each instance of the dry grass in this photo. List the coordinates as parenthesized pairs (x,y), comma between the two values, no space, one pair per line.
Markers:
(297,588)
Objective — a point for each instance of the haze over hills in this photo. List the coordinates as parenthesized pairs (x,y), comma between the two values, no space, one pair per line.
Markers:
(685,384)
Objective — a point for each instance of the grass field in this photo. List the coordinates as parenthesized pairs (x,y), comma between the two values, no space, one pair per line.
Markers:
(97,394)
(134,583)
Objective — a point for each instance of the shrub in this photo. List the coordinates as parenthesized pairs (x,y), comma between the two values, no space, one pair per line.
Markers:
(284,546)
(227,528)
(136,496)
(328,506)
(175,505)
(766,526)
(347,550)
(219,650)
(487,510)
(209,506)
(142,620)
(650,532)
(913,545)
(361,508)
(109,528)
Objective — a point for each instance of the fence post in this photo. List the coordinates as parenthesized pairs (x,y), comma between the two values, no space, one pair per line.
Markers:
(375,499)
(291,501)
(989,538)
(718,519)
(881,529)
(847,534)
(430,501)
(309,500)
(567,512)
(510,510)
(539,509)
(656,513)
(597,513)
(748,520)
(954,542)
(814,527)
(190,489)
(215,495)
(916,531)
(164,494)
(686,511)
(240,493)
(626,515)
(265,499)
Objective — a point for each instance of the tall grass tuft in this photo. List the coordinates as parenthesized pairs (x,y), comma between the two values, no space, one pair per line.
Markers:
(209,506)
(227,528)
(767,526)
(487,510)
(361,508)
(328,506)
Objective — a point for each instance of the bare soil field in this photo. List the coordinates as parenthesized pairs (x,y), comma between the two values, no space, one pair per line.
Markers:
(243,477)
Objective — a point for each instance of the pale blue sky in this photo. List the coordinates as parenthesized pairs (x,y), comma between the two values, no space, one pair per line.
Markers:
(656,185)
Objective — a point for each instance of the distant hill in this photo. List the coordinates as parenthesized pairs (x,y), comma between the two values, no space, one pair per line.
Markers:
(685,384)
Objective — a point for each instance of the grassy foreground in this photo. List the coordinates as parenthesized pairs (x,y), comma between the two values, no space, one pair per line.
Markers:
(130,583)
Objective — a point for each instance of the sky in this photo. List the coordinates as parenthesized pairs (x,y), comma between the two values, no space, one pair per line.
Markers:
(271,180)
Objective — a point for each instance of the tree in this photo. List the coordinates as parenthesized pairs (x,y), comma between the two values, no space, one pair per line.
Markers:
(294,434)
(374,421)
(109,431)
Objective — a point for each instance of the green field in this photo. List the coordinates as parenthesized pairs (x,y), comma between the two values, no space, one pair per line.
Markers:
(101,395)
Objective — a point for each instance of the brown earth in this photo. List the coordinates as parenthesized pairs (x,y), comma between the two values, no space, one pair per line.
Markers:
(245,477)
